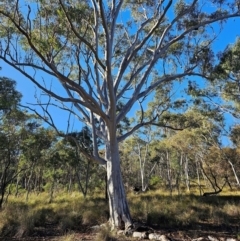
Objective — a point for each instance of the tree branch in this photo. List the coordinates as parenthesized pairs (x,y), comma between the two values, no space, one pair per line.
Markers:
(93,158)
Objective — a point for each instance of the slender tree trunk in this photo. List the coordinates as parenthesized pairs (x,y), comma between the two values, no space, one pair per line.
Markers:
(39,189)
(84,189)
(70,181)
(179,175)
(17,186)
(52,187)
(118,206)
(3,186)
(169,172)
(227,181)
(40,180)
(142,162)
(51,191)
(234,172)
(79,183)
(9,191)
(149,176)
(28,182)
(198,177)
(186,174)
(25,182)
(87,179)
(35,183)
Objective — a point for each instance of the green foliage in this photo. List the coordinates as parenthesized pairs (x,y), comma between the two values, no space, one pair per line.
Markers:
(235,135)
(180,7)
(226,76)
(9,97)
(155,181)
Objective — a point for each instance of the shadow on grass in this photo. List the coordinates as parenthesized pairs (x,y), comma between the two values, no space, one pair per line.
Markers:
(196,214)
(191,213)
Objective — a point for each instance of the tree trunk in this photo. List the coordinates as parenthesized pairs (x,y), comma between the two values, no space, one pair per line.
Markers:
(169,173)
(120,217)
(52,187)
(70,181)
(28,182)
(198,177)
(3,185)
(179,174)
(186,174)
(234,172)
(17,186)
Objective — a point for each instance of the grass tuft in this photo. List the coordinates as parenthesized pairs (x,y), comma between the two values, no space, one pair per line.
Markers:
(105,234)
(69,237)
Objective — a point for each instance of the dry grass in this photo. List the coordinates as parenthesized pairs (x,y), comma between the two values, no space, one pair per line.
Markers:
(105,234)
(68,212)
(158,209)
(68,237)
(72,213)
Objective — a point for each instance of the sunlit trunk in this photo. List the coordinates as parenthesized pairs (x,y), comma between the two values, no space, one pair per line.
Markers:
(234,172)
(186,174)
(198,177)
(29,181)
(169,172)
(118,206)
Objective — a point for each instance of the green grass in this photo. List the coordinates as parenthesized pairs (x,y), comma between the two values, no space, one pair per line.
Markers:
(71,213)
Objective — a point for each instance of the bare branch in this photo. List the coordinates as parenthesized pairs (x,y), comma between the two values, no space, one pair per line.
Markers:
(147,123)
(50,122)
(80,37)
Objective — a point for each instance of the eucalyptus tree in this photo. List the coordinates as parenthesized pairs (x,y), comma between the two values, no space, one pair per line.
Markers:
(235,135)
(182,148)
(231,157)
(226,76)
(81,166)
(106,52)
(235,138)
(9,96)
(11,119)
(36,149)
(142,164)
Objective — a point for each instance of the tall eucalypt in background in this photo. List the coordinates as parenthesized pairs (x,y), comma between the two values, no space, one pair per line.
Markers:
(106,52)
(226,78)
(10,120)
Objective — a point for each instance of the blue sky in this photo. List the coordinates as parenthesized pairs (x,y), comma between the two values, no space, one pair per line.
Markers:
(229,33)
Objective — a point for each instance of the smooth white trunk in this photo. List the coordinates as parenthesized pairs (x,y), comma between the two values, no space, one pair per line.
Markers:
(169,172)
(198,177)
(234,172)
(186,174)
(120,217)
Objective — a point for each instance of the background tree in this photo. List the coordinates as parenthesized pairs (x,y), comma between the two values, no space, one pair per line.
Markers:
(11,119)
(226,76)
(142,162)
(36,149)
(83,167)
(103,53)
